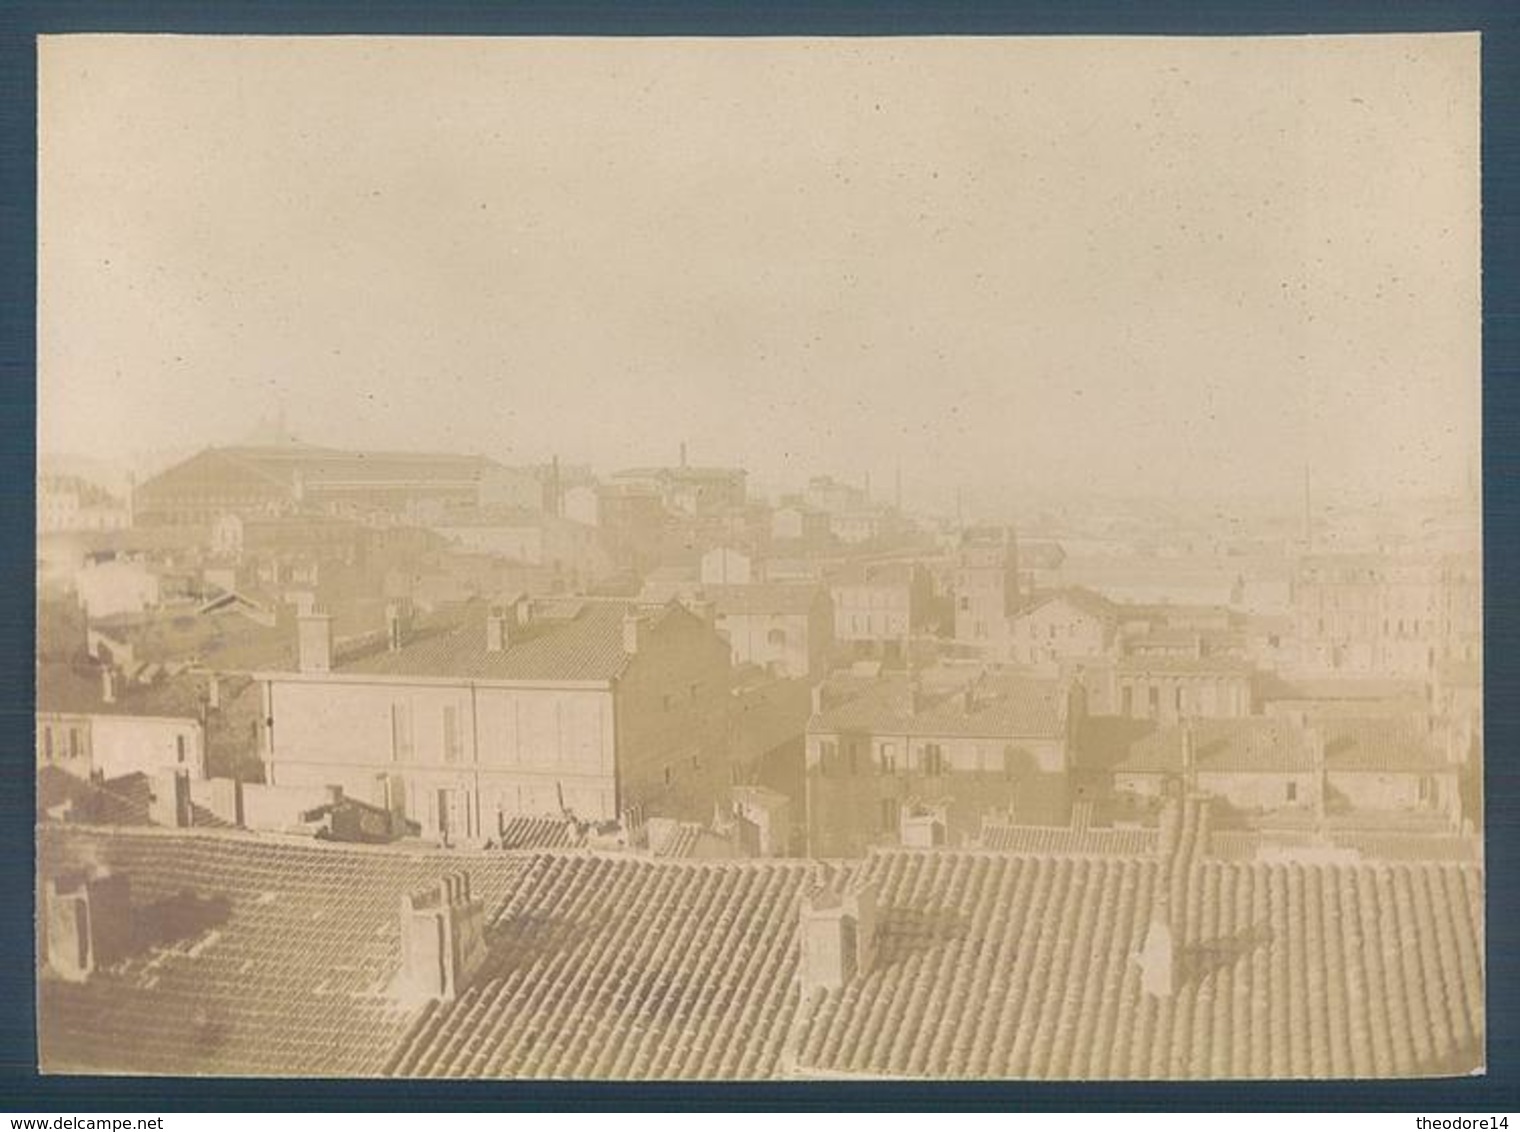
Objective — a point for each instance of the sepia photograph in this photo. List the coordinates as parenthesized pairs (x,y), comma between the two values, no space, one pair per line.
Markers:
(945,558)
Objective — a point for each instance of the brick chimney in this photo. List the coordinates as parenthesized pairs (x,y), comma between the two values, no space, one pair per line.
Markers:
(631,627)
(837,937)
(314,642)
(171,803)
(398,624)
(108,684)
(923,826)
(1158,954)
(86,922)
(498,629)
(443,943)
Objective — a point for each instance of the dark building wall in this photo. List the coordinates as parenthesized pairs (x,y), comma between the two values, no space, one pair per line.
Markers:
(672,719)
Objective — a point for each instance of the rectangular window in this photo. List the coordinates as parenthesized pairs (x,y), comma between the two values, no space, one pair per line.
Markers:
(828,756)
(934,760)
(889,815)
(451,743)
(73,743)
(401,731)
(1292,791)
(889,758)
(179,747)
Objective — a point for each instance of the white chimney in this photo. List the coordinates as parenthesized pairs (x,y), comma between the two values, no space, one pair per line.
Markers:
(443,944)
(314,642)
(397,625)
(837,937)
(1158,954)
(631,632)
(108,684)
(498,632)
(87,923)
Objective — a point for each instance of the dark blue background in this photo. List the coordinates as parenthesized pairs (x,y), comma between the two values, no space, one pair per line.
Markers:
(20,1087)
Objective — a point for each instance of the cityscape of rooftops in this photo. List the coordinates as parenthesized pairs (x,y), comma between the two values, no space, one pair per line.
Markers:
(759,560)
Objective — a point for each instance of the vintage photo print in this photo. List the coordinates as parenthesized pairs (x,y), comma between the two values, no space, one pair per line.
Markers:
(759,558)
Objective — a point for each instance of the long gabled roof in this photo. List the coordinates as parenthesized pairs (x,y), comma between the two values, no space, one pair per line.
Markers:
(1006,965)
(275,957)
(569,640)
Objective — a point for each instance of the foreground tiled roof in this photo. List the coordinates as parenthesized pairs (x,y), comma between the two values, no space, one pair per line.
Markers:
(1003,706)
(997,965)
(623,968)
(274,957)
(251,957)
(1087,601)
(1067,841)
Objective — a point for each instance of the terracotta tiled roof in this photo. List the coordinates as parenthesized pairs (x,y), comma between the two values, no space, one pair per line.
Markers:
(1022,966)
(681,841)
(250,957)
(522,833)
(273,957)
(629,969)
(1010,706)
(587,645)
(122,801)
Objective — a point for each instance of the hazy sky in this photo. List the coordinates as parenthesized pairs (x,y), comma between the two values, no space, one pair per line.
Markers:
(1151,265)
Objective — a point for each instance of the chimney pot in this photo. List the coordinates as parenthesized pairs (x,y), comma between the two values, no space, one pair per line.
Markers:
(498,633)
(314,642)
(87,922)
(442,940)
(631,633)
(1158,955)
